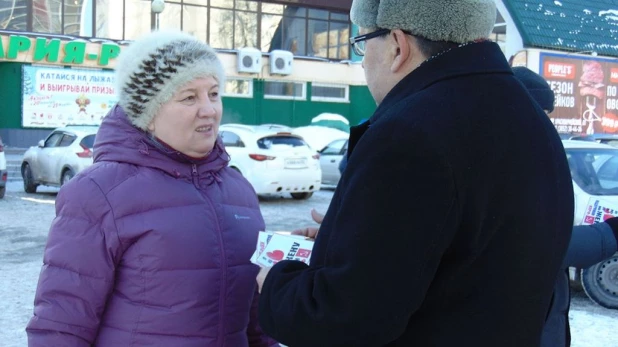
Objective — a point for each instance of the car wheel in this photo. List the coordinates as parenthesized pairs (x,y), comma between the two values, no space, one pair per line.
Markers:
(600,281)
(2,191)
(67,175)
(26,174)
(302,196)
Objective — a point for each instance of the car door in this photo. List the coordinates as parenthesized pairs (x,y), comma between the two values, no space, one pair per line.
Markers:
(45,164)
(330,157)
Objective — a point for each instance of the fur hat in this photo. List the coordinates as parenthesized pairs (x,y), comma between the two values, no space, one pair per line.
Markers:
(537,86)
(152,68)
(457,21)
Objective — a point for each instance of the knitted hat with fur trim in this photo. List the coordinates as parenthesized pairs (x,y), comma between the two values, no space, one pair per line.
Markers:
(152,69)
(457,21)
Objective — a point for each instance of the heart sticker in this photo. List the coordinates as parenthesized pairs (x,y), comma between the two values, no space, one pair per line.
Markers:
(275,255)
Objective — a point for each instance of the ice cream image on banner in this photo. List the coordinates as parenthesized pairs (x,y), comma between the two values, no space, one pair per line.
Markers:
(591,87)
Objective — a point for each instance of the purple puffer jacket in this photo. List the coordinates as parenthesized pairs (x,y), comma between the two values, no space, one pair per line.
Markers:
(150,249)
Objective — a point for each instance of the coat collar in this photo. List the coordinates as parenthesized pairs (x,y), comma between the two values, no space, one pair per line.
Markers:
(471,59)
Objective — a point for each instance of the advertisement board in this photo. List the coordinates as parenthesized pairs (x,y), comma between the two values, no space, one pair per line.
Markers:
(586,91)
(54,97)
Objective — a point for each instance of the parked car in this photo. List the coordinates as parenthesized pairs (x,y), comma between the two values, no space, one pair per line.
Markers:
(3,171)
(318,136)
(56,159)
(330,158)
(272,159)
(609,139)
(594,171)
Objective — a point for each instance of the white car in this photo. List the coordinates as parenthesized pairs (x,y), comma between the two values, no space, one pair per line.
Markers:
(62,155)
(330,158)
(3,171)
(272,159)
(318,136)
(594,171)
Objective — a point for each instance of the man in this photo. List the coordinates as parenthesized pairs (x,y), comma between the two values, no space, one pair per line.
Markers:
(450,222)
(589,244)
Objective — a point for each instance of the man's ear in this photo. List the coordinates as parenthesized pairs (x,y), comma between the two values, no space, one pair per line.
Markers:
(404,50)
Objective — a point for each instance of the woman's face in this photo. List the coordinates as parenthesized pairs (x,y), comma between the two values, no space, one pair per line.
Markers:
(189,121)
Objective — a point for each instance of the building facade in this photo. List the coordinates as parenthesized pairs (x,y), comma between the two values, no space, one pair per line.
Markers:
(286,61)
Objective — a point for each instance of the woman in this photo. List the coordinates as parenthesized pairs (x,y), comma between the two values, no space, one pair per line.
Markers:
(151,245)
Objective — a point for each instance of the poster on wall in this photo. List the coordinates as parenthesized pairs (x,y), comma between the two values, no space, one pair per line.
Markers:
(586,91)
(54,97)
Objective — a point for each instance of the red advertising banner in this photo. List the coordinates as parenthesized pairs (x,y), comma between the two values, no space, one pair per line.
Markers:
(586,92)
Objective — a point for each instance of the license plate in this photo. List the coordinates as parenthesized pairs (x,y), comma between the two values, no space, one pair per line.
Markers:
(296,163)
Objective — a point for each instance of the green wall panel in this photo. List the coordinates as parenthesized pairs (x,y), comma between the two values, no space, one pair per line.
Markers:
(362,105)
(10,95)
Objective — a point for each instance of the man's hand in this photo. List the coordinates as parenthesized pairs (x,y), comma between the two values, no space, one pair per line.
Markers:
(317,216)
(311,232)
(261,277)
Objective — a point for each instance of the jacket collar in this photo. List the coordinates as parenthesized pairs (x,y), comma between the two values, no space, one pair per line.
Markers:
(118,140)
(470,59)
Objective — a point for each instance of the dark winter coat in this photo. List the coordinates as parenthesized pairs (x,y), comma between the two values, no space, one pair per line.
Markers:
(448,226)
(589,245)
(150,249)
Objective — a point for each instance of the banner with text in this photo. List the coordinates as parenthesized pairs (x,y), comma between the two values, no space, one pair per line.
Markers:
(598,211)
(55,97)
(586,91)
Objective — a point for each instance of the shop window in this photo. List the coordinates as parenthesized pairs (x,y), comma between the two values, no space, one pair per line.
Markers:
(194,21)
(135,22)
(241,88)
(245,29)
(269,25)
(330,92)
(246,5)
(221,28)
(170,18)
(222,3)
(14,14)
(284,90)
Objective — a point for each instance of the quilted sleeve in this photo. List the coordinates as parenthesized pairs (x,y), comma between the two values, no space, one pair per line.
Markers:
(79,262)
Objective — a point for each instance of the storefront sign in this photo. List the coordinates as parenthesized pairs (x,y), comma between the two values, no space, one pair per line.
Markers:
(55,97)
(586,91)
(55,51)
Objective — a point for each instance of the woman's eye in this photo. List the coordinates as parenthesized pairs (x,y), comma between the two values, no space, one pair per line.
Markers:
(189,98)
(214,94)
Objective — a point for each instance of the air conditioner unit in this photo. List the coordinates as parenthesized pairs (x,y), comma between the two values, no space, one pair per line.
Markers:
(281,62)
(249,60)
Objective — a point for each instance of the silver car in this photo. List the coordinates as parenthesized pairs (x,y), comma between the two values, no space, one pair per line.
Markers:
(56,159)
(330,158)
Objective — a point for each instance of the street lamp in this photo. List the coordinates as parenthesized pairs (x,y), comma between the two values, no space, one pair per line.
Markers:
(157,6)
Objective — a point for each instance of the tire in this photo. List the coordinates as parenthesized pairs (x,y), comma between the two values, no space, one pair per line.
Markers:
(600,281)
(2,191)
(67,175)
(26,174)
(302,196)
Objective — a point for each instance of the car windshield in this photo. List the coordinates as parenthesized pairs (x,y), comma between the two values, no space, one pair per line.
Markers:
(594,170)
(275,141)
(88,141)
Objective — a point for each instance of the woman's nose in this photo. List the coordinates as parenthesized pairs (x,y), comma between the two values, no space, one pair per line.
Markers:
(207,109)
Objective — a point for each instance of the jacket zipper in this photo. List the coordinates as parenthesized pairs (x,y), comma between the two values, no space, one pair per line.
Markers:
(194,176)
(220,339)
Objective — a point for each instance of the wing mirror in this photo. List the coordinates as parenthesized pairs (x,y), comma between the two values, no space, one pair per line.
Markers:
(41,143)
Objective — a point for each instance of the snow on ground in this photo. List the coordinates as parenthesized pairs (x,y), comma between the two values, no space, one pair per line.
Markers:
(25,220)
